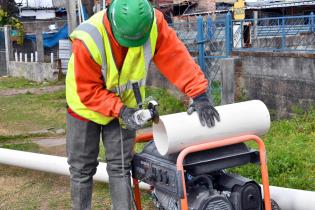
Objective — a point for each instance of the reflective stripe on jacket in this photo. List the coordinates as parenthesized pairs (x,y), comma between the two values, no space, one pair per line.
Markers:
(94,36)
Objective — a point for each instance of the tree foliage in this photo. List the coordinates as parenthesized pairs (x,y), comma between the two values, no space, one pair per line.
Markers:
(10,7)
(17,26)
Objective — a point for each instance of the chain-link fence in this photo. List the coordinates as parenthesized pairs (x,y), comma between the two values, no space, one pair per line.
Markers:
(291,33)
(208,40)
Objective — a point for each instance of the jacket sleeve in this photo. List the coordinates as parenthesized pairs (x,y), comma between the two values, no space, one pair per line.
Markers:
(90,86)
(175,63)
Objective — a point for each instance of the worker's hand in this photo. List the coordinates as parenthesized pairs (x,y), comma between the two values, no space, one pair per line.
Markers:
(206,112)
(128,117)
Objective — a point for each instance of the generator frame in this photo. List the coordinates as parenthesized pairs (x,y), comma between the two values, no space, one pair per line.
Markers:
(146,137)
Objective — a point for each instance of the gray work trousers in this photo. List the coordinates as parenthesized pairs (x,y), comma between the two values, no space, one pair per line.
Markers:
(83,140)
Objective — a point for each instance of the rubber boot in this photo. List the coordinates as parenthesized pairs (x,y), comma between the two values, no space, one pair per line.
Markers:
(120,193)
(81,195)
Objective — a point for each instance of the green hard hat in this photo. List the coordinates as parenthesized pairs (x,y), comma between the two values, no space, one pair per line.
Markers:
(131,21)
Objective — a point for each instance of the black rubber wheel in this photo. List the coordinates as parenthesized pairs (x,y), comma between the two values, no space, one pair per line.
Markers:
(274,205)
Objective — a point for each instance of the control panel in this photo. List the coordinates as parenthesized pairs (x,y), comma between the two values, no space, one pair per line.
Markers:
(157,172)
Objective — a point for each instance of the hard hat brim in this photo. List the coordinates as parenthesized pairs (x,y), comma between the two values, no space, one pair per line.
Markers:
(131,43)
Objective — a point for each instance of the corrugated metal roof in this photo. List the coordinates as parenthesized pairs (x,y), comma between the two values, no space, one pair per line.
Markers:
(176,2)
(226,1)
(36,3)
(278,4)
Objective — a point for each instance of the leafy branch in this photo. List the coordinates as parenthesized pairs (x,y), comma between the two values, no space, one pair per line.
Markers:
(5,19)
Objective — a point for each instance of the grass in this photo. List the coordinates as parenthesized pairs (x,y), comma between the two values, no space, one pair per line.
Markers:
(290,146)
(27,189)
(25,113)
(18,83)
(167,103)
(29,146)
(216,92)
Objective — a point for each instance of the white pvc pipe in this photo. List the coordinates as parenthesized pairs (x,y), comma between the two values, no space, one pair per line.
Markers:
(288,199)
(292,199)
(48,163)
(175,132)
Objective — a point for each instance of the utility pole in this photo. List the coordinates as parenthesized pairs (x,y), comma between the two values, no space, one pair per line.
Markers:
(89,6)
(71,13)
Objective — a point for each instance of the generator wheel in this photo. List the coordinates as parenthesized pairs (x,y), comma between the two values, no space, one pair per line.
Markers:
(274,205)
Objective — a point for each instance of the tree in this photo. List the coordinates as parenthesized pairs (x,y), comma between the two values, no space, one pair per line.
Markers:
(10,7)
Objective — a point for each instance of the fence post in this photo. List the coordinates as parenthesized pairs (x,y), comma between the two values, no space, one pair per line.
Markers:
(8,46)
(201,45)
(227,80)
(228,34)
(241,38)
(255,24)
(312,21)
(209,28)
(40,46)
(283,33)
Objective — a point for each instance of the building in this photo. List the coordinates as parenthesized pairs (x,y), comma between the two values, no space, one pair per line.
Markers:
(278,8)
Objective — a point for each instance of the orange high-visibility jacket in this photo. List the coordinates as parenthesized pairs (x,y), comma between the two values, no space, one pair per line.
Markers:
(171,57)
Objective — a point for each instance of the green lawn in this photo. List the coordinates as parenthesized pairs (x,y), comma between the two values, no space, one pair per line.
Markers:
(290,143)
(290,146)
(18,83)
(28,112)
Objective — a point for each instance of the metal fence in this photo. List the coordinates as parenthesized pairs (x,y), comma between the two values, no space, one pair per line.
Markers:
(3,66)
(210,40)
(207,40)
(290,33)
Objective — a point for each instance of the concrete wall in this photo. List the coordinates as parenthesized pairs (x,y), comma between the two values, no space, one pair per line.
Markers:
(38,72)
(301,41)
(41,25)
(282,80)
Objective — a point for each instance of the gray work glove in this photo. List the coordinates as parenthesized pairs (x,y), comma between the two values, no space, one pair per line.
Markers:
(128,117)
(206,112)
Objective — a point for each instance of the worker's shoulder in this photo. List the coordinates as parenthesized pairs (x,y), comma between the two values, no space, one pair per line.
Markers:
(159,15)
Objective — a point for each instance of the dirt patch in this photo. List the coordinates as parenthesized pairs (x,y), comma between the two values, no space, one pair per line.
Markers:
(51,142)
(27,189)
(35,91)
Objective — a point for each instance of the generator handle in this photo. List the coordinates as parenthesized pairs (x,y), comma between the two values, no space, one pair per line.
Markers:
(221,143)
(144,137)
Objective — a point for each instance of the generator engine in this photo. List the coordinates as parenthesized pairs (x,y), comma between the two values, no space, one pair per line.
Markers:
(208,185)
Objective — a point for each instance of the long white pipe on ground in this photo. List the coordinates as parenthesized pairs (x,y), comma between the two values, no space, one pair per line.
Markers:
(288,199)
(175,132)
(292,199)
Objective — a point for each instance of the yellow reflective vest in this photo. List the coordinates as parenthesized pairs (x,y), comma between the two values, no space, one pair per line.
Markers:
(93,34)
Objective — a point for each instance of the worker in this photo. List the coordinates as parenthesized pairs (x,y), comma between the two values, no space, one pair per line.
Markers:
(111,51)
